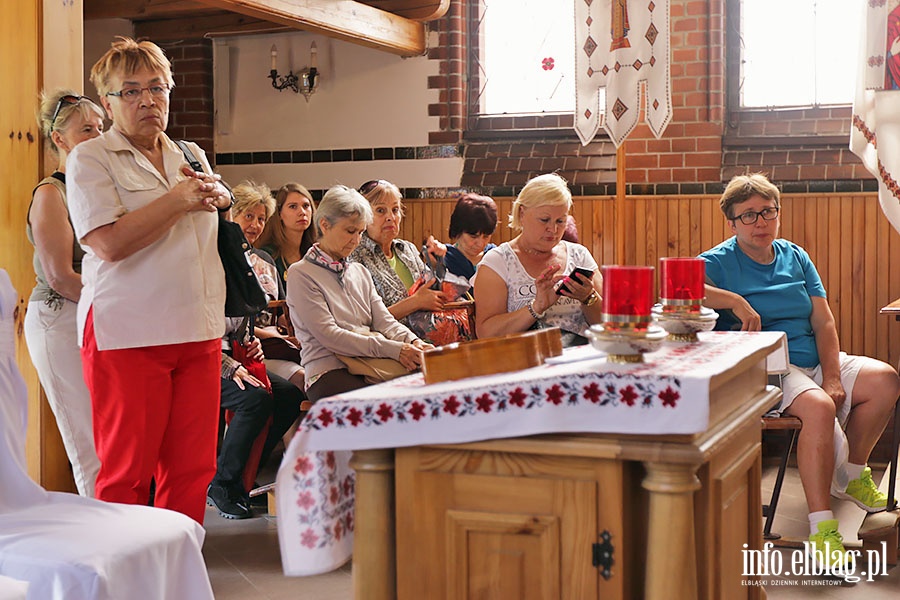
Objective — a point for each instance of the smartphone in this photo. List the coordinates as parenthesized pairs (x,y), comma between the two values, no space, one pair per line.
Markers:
(584,274)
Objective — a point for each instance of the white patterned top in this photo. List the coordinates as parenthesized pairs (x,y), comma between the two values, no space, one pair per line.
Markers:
(565,314)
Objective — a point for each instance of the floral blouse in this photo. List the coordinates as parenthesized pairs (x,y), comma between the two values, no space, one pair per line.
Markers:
(387,282)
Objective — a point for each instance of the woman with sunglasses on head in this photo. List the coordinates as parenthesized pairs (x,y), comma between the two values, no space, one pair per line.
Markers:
(66,119)
(150,318)
(289,236)
(765,283)
(395,264)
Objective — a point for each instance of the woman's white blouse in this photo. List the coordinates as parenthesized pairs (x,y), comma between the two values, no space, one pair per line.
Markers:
(172,291)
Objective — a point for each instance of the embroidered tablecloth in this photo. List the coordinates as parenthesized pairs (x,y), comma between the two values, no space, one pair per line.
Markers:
(581,392)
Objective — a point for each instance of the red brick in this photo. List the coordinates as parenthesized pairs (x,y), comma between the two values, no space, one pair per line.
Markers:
(438,110)
(671,160)
(552,164)
(508,164)
(444,137)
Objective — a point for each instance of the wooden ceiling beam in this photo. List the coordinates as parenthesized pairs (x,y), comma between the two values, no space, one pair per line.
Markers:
(139,10)
(418,10)
(216,23)
(342,19)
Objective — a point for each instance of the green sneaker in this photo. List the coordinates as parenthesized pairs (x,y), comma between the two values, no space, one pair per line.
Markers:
(864,493)
(826,547)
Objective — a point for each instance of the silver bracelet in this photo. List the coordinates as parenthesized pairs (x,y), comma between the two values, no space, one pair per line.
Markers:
(534,314)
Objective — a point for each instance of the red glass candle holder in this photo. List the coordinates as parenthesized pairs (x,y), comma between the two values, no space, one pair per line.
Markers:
(627,294)
(682,282)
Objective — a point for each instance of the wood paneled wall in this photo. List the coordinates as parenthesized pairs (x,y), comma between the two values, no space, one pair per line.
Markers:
(854,248)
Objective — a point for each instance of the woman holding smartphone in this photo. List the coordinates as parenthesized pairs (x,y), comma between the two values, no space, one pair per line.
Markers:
(530,282)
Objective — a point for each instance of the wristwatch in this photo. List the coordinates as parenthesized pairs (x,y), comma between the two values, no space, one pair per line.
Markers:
(592,299)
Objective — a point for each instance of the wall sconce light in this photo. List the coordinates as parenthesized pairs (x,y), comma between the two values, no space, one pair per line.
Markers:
(305,82)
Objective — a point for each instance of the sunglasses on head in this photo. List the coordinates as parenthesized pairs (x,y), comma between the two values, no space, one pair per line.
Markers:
(67,100)
(370,185)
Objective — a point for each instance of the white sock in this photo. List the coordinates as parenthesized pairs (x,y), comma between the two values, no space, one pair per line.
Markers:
(853,471)
(817,517)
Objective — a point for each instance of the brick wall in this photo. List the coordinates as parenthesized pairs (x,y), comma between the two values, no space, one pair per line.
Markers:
(191,110)
(704,145)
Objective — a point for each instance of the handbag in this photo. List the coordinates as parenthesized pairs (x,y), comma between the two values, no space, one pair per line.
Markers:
(280,349)
(374,370)
(243,293)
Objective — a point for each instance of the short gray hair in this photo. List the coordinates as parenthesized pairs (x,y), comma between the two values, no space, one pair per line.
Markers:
(341,202)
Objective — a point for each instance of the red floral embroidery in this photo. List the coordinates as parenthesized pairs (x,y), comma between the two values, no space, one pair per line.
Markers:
(592,393)
(417,410)
(669,397)
(555,394)
(384,413)
(517,397)
(326,417)
(354,415)
(451,405)
(309,538)
(304,465)
(628,395)
(329,460)
(338,531)
(305,500)
(335,494)
(348,486)
(548,63)
(484,403)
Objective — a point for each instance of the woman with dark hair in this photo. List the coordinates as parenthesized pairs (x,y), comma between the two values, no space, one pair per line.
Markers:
(290,236)
(472,223)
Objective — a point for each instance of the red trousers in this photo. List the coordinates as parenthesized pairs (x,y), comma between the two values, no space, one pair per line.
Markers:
(155,414)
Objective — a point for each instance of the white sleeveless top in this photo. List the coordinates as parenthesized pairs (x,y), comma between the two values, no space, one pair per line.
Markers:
(520,289)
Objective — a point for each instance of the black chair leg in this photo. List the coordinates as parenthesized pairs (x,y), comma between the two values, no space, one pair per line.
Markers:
(895,445)
(769,509)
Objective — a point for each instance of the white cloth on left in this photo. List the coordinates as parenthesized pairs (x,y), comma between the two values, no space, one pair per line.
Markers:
(72,548)
(13,589)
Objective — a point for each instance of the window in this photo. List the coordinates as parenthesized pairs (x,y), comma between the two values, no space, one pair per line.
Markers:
(798,52)
(526,56)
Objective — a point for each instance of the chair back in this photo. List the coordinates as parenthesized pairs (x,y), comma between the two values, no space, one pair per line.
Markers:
(17,490)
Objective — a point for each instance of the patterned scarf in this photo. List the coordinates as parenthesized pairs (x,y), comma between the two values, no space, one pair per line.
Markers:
(317,256)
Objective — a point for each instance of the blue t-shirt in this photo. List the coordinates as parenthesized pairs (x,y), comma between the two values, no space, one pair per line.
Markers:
(779,291)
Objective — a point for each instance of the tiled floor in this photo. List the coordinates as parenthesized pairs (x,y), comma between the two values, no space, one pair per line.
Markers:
(244,561)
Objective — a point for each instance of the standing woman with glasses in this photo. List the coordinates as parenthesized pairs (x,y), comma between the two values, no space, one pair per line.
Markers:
(771,284)
(289,236)
(150,315)
(66,119)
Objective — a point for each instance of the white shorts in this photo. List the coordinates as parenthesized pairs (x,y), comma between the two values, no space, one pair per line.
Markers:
(799,380)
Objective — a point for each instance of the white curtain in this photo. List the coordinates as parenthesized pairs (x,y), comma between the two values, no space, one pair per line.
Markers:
(620,44)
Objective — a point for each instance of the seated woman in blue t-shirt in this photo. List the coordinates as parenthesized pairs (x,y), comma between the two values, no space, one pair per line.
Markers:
(772,285)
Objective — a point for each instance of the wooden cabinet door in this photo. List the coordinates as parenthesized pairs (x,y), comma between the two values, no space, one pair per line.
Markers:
(491,526)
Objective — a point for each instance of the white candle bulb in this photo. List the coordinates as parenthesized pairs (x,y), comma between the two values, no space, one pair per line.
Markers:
(313,56)
(274,53)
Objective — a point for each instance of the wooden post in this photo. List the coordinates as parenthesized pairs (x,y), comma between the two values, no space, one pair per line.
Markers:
(620,204)
(671,529)
(374,539)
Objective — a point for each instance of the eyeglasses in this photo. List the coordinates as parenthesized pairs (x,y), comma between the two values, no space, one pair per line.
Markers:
(370,185)
(160,91)
(67,100)
(751,216)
